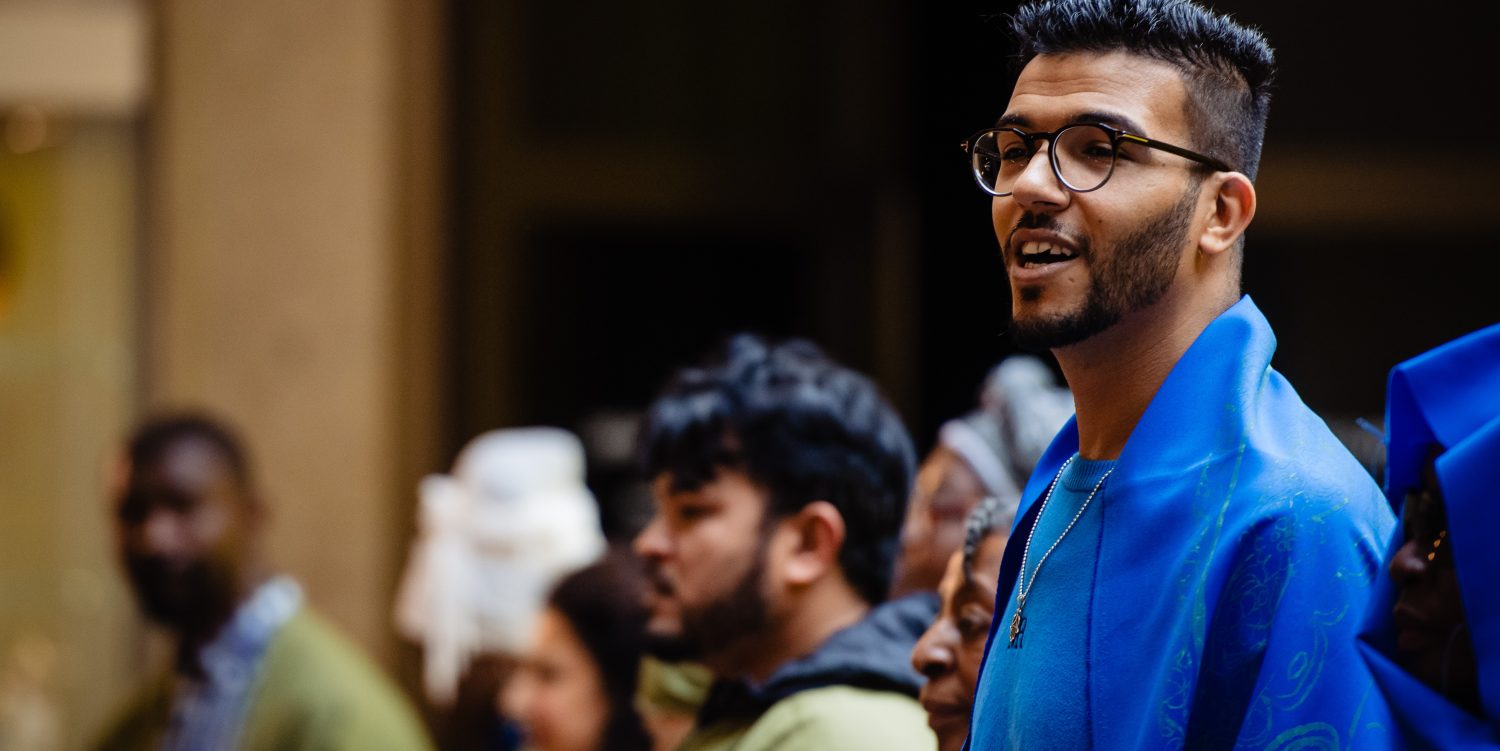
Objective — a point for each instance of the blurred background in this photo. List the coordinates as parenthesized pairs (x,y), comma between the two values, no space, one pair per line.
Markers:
(367,230)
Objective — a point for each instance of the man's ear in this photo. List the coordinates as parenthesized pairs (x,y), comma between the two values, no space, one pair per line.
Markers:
(1234,207)
(818,534)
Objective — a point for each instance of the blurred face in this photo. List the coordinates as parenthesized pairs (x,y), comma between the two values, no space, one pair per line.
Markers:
(950,652)
(557,693)
(185,530)
(1079,262)
(946,490)
(1433,642)
(705,554)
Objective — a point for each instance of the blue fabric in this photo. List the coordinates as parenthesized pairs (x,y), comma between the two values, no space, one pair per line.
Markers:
(208,713)
(1046,673)
(1443,395)
(1451,396)
(1239,543)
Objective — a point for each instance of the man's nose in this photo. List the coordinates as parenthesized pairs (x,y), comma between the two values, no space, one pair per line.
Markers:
(1038,188)
(652,542)
(1408,563)
(159,534)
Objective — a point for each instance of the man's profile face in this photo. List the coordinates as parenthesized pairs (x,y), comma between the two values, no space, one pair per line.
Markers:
(705,553)
(183,532)
(951,650)
(1115,250)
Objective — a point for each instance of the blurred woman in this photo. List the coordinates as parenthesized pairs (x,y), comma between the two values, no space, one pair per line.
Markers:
(573,689)
(950,652)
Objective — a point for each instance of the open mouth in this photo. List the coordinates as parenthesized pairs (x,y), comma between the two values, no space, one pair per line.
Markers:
(1037,253)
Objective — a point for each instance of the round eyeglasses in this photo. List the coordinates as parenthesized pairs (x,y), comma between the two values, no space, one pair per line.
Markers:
(1082,156)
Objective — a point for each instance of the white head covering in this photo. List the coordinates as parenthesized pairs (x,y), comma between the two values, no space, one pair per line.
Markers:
(1021,408)
(513,518)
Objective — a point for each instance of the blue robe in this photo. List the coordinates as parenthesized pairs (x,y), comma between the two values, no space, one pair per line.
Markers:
(1240,541)
(1450,396)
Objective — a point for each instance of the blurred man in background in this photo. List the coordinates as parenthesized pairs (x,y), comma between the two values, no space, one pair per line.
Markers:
(254,668)
(780,480)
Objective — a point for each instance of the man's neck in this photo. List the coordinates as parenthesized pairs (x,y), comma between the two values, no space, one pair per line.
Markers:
(193,637)
(804,628)
(1115,374)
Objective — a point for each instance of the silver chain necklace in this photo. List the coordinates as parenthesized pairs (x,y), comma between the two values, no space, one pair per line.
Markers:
(1018,621)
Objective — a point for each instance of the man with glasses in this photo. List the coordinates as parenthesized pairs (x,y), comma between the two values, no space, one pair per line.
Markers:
(1194,552)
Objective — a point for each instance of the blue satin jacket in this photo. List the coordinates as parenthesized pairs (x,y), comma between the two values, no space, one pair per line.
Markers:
(1240,543)
(1450,396)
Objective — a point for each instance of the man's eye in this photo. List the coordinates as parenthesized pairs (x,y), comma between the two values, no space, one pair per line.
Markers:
(692,512)
(1015,154)
(1097,151)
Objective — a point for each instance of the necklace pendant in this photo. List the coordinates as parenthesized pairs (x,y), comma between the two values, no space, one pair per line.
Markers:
(1017,625)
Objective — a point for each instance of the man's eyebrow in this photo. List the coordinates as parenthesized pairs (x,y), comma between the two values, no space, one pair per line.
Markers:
(1112,119)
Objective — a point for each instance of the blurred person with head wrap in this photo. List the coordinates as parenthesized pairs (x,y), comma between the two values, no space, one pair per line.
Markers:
(494,537)
(987,452)
(255,669)
(1432,635)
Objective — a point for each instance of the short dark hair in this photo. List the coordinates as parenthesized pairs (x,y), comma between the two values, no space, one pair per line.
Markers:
(1228,67)
(802,427)
(602,603)
(154,437)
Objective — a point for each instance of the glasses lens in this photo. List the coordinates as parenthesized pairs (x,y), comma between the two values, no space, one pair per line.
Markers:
(1085,156)
(998,157)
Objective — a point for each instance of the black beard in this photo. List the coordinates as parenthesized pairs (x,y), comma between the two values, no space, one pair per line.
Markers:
(1135,274)
(722,624)
(192,600)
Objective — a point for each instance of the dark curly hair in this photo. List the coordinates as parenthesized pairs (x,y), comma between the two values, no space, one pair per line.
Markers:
(802,427)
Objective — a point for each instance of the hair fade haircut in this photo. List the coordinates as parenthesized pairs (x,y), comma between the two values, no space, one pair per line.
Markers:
(799,426)
(1228,67)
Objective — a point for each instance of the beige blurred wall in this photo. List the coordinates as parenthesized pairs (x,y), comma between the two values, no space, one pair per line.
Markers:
(293,264)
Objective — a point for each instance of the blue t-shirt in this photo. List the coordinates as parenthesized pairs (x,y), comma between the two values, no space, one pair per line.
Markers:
(1034,694)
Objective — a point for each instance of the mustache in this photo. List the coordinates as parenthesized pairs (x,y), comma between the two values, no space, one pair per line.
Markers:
(657,581)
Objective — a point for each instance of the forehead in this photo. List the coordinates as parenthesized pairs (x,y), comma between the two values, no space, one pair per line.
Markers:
(728,487)
(1139,93)
(188,465)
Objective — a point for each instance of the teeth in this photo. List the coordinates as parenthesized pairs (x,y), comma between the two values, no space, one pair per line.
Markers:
(1038,247)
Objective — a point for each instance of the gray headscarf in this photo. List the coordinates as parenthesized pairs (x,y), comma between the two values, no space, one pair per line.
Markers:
(1021,408)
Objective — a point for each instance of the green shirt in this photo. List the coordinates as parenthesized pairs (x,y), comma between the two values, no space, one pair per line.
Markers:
(314,692)
(834,718)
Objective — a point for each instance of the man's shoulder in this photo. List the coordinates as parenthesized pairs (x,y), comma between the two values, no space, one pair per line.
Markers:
(841,717)
(314,680)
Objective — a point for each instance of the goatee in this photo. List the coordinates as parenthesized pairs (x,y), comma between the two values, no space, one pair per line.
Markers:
(1132,275)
